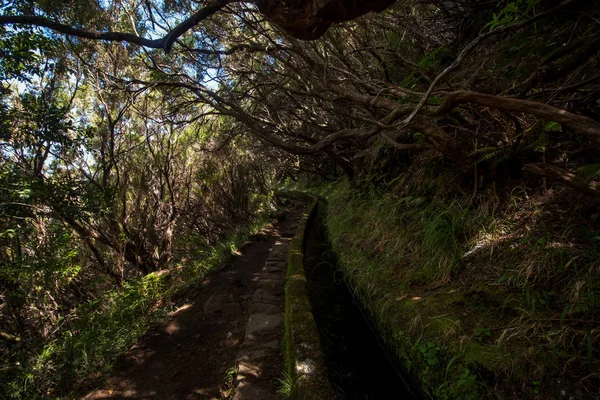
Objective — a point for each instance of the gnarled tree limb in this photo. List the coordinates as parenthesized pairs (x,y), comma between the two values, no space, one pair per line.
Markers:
(164,43)
(576,123)
(482,36)
(565,177)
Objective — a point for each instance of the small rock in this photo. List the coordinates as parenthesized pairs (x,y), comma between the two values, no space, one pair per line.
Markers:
(246,368)
(253,392)
(258,322)
(215,301)
(263,308)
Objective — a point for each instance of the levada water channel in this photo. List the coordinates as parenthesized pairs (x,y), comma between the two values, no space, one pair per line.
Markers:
(357,364)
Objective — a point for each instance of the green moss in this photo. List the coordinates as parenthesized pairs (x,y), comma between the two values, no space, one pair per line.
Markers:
(493,358)
(448,326)
(304,361)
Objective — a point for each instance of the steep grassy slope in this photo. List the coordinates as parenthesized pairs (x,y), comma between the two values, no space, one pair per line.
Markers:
(495,296)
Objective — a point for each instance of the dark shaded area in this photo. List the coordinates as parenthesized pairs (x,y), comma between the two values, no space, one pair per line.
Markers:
(358,366)
(309,20)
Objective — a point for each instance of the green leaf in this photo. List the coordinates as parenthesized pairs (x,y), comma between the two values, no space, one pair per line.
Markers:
(564,313)
(588,172)
(552,126)
(540,143)
(418,136)
(452,360)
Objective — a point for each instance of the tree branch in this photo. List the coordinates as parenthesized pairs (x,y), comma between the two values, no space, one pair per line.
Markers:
(192,21)
(567,178)
(579,124)
(165,43)
(9,338)
(406,146)
(482,36)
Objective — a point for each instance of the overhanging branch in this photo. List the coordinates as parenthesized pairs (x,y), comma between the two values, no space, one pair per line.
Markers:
(164,43)
(578,124)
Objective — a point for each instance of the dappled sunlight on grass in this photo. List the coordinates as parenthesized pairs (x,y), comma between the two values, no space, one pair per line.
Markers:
(486,241)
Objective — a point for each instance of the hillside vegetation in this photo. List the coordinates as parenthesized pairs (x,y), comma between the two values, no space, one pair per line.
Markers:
(498,297)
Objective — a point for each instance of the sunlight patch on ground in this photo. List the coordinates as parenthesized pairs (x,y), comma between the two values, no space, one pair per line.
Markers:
(180,309)
(305,367)
(487,241)
(172,328)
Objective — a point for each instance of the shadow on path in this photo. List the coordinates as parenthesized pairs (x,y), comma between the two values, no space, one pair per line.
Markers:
(193,354)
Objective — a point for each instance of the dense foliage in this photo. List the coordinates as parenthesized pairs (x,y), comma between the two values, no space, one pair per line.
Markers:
(101,188)
(122,154)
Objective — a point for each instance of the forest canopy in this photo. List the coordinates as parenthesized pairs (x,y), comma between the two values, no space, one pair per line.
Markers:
(137,133)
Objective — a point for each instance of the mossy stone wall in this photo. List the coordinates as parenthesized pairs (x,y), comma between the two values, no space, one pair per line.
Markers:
(305,363)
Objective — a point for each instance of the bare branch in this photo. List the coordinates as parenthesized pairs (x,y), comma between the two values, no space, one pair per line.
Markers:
(9,338)
(405,146)
(68,30)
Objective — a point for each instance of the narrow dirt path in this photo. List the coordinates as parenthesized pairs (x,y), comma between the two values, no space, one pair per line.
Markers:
(193,355)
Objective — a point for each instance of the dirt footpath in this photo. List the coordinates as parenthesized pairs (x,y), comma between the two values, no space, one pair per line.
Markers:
(193,355)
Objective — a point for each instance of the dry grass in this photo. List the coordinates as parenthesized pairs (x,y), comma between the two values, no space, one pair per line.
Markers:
(522,267)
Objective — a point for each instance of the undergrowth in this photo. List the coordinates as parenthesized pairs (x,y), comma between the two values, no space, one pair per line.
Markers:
(494,296)
(101,330)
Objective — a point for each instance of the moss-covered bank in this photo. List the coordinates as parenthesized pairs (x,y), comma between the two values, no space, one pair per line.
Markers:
(476,301)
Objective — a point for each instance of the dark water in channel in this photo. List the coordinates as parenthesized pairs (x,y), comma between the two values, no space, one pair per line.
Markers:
(357,365)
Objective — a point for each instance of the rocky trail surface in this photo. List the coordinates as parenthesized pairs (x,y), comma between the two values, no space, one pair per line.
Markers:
(226,342)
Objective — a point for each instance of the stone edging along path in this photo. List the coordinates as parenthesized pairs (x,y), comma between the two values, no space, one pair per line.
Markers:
(263,331)
(304,362)
(304,359)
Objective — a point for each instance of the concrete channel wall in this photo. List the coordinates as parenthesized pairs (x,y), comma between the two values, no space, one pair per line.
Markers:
(305,363)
